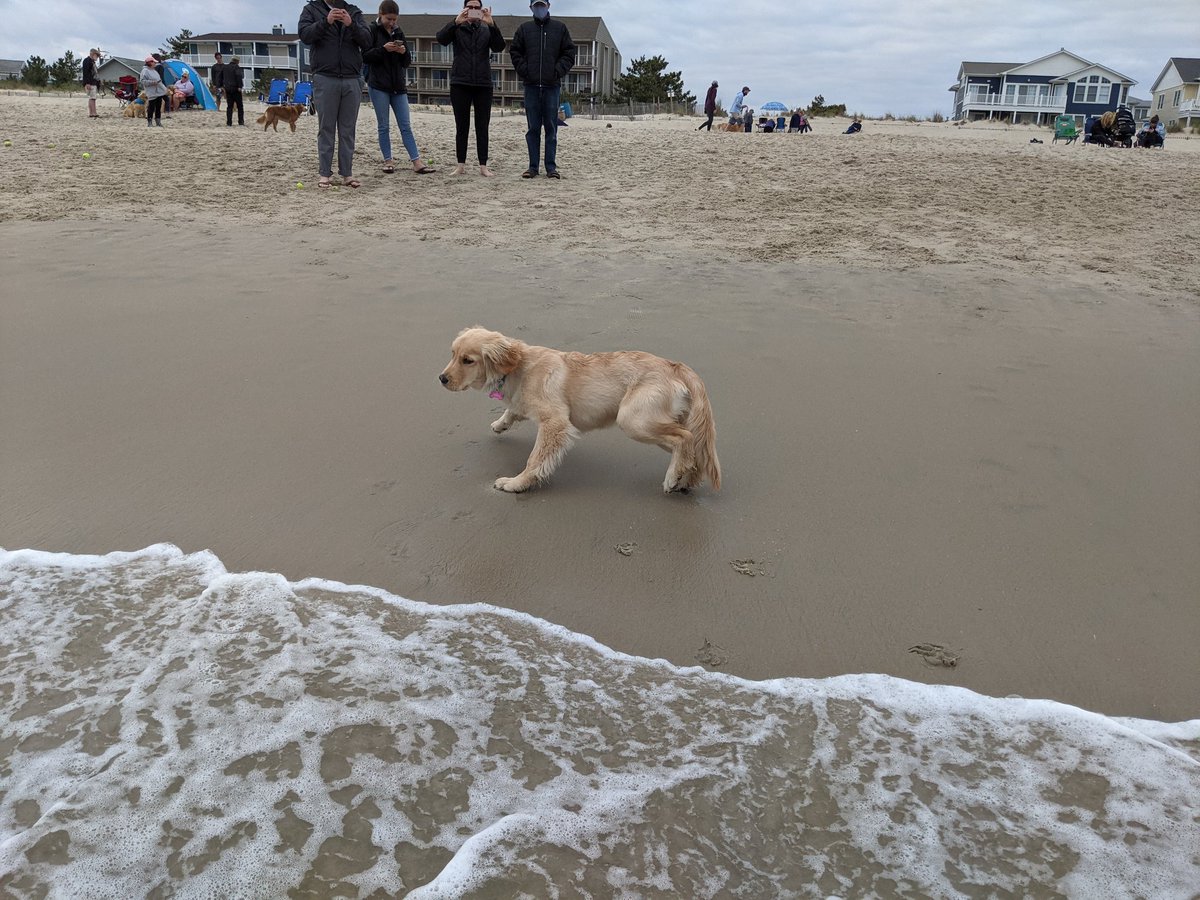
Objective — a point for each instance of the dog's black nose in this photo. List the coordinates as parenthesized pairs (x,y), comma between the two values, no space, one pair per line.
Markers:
(443,378)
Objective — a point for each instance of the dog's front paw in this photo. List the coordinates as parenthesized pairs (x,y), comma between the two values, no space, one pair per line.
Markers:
(511,485)
(500,425)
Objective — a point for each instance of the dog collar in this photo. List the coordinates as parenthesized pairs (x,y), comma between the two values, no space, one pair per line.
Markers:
(497,393)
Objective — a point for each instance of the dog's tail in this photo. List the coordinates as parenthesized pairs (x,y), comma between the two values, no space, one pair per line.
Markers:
(261,119)
(704,430)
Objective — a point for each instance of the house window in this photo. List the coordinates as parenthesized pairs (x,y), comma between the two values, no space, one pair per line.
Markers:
(1161,98)
(1093,89)
(242,51)
(441,79)
(1178,96)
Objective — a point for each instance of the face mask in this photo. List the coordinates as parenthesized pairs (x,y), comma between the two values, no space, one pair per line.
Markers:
(541,13)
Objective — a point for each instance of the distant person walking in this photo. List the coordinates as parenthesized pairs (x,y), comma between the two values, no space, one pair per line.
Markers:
(231,81)
(542,53)
(337,35)
(387,86)
(710,107)
(747,119)
(91,83)
(216,79)
(735,108)
(152,84)
(474,36)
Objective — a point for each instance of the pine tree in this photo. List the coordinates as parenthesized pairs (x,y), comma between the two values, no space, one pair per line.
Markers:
(647,82)
(35,71)
(65,70)
(176,46)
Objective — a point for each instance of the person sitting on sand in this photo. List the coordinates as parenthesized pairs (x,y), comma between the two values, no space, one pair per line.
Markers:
(1101,130)
(855,127)
(183,90)
(1152,134)
(766,124)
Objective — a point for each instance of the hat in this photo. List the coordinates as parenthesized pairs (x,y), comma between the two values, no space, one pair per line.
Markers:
(745,89)
(150,60)
(539,3)
(715,84)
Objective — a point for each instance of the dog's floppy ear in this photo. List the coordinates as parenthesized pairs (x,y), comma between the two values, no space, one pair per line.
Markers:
(502,354)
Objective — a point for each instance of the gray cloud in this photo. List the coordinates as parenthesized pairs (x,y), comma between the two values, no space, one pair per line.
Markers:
(875,56)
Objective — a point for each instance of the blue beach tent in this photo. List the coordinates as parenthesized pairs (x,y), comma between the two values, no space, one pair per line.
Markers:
(204,98)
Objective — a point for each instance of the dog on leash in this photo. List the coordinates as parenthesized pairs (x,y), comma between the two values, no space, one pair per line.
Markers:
(287,113)
(653,400)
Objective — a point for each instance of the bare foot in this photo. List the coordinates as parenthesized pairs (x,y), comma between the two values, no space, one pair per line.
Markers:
(486,172)
(460,169)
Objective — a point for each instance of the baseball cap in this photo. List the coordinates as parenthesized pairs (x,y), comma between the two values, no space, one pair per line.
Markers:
(150,60)
(540,3)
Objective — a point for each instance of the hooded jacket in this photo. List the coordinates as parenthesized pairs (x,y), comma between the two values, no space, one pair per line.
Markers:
(152,83)
(710,100)
(335,50)
(388,71)
(542,52)
(473,42)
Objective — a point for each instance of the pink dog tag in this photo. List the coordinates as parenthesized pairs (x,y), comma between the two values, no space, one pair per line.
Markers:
(496,395)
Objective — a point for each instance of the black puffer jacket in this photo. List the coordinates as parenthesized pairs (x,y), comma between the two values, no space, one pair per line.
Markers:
(472,44)
(542,52)
(231,77)
(388,69)
(336,50)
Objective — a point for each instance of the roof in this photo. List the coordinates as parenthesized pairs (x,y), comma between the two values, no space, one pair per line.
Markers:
(255,36)
(134,65)
(987,68)
(1188,68)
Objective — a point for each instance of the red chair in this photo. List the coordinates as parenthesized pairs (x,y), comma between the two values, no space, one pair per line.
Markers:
(125,90)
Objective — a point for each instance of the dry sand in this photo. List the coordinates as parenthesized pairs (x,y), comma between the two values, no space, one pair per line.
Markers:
(954,373)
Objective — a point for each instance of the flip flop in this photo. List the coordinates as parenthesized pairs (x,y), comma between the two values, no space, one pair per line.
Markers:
(553,174)
(424,170)
(389,169)
(324,183)
(352,183)
(529,173)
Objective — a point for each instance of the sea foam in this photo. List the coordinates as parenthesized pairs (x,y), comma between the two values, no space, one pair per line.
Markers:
(168,728)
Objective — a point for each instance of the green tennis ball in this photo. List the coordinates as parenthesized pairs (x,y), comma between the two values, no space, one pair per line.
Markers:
(8,143)
(299,184)
(87,156)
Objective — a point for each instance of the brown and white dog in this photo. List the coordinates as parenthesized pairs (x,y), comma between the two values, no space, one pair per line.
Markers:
(653,400)
(288,113)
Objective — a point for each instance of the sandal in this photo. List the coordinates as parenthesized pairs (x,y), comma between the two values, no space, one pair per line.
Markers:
(351,182)
(529,173)
(424,170)
(389,168)
(324,183)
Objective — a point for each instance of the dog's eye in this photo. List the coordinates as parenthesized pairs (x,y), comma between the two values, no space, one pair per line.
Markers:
(467,361)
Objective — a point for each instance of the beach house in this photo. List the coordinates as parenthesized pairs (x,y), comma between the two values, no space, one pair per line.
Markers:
(1175,96)
(1035,92)
(257,53)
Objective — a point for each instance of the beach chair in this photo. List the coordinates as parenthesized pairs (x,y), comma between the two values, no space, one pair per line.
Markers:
(278,93)
(303,94)
(781,124)
(125,91)
(1064,128)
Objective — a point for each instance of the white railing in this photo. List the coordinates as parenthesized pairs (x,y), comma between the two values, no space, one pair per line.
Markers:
(1002,101)
(1189,106)
(284,63)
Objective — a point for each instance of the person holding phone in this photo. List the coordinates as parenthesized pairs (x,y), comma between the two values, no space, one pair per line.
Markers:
(475,36)
(336,34)
(387,86)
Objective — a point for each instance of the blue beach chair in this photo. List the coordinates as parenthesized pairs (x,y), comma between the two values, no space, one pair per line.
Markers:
(303,94)
(278,93)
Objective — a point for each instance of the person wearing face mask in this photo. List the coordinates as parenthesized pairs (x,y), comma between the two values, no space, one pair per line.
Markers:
(475,37)
(337,35)
(542,53)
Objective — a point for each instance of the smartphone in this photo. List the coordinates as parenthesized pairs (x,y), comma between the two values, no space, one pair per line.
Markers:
(474,13)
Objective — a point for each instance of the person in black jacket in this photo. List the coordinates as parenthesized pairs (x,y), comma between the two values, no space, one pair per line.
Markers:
(475,37)
(336,34)
(387,85)
(216,81)
(542,53)
(231,84)
(91,84)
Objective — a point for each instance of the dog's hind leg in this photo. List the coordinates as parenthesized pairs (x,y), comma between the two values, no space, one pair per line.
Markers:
(554,438)
(651,413)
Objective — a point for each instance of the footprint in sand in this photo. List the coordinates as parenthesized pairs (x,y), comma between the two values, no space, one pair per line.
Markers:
(626,549)
(751,567)
(934,655)
(712,655)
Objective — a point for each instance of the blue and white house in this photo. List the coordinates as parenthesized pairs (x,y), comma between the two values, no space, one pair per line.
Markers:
(1035,92)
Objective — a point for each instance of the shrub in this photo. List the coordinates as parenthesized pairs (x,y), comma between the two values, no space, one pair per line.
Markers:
(937,117)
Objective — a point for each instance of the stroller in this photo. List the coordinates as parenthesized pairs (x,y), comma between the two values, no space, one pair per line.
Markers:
(1125,127)
(125,91)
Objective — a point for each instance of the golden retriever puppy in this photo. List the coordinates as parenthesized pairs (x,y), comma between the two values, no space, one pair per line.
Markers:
(653,400)
(287,113)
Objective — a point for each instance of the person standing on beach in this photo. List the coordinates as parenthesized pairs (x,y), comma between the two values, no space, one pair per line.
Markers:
(747,119)
(735,108)
(710,107)
(231,81)
(91,84)
(336,34)
(152,84)
(475,37)
(388,60)
(216,80)
(542,53)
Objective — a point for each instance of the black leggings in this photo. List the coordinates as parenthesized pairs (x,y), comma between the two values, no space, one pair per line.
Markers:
(707,124)
(154,110)
(462,98)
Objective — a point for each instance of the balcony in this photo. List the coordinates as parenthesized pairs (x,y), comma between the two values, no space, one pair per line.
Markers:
(1010,103)
(1189,106)
(283,63)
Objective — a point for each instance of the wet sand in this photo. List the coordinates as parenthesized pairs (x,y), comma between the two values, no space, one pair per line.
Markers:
(944,418)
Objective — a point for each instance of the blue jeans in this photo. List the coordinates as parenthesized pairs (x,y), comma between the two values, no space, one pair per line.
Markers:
(541,112)
(398,103)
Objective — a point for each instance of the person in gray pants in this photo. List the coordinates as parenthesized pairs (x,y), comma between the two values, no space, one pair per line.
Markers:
(336,34)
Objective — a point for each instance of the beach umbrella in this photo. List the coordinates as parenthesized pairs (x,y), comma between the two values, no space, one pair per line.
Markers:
(773,106)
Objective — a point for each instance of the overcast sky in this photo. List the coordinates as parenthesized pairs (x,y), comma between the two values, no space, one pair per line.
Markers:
(876,56)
